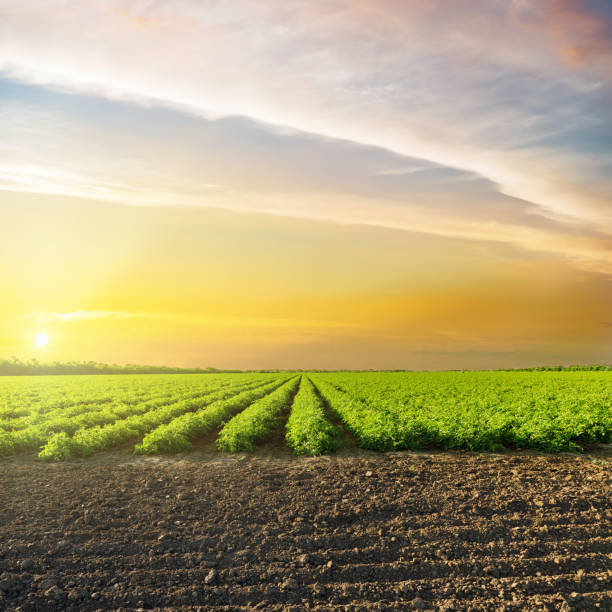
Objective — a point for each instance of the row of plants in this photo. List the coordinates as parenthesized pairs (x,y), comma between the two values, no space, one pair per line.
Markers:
(179,434)
(549,411)
(87,413)
(29,397)
(88,441)
(370,428)
(258,420)
(41,431)
(308,431)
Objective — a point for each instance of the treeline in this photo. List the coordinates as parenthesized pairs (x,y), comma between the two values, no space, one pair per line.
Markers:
(558,368)
(16,367)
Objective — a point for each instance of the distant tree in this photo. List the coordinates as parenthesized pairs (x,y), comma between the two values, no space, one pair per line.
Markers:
(15,367)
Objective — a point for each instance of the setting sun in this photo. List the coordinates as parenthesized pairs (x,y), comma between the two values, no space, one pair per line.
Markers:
(41,339)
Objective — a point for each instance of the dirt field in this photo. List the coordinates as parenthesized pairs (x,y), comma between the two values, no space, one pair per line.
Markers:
(358,531)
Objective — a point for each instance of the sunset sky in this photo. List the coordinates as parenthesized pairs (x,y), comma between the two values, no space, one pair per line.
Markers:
(323,184)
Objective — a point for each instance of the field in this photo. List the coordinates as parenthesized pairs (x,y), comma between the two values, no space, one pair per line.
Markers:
(67,417)
(234,492)
(360,531)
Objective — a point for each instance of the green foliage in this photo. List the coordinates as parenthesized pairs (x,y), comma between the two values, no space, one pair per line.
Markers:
(176,436)
(55,414)
(90,440)
(308,430)
(480,411)
(7,447)
(257,421)
(59,447)
(74,416)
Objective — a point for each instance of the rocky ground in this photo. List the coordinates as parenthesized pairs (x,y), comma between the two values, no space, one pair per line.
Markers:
(359,531)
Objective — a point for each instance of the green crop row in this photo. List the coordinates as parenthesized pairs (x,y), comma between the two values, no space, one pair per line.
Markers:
(88,441)
(371,429)
(89,414)
(24,409)
(475,411)
(32,396)
(80,415)
(43,428)
(308,432)
(177,435)
(258,420)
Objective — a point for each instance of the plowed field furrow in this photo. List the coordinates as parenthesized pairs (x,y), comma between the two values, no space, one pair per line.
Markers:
(548,584)
(325,533)
(384,571)
(434,582)
(407,550)
(351,596)
(596,559)
(338,544)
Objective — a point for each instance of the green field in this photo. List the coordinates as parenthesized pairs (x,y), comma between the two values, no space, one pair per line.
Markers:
(63,417)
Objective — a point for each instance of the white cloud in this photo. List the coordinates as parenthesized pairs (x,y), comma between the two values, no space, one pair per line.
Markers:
(484,87)
(283,174)
(403,170)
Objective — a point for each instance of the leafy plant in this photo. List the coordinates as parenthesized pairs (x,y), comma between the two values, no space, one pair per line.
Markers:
(257,421)
(308,430)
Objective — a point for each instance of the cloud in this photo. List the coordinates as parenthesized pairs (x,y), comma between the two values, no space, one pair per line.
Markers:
(403,170)
(84,315)
(72,145)
(582,31)
(316,326)
(481,87)
(467,353)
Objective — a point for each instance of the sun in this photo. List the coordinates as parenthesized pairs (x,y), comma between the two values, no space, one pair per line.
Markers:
(41,339)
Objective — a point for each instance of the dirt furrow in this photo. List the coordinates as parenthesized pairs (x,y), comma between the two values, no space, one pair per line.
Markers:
(365,531)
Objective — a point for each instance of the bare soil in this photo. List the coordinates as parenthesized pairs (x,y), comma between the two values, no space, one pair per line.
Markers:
(355,531)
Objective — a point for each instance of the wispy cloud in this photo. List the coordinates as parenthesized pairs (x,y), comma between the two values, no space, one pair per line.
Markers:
(84,315)
(515,92)
(582,31)
(204,320)
(404,170)
(239,165)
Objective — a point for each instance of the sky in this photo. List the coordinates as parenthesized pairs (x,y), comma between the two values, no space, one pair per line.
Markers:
(412,184)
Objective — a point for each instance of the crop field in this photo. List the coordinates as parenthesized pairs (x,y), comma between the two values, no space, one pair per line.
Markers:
(224,528)
(64,417)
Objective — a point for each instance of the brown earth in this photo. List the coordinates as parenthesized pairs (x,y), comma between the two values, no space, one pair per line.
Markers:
(357,531)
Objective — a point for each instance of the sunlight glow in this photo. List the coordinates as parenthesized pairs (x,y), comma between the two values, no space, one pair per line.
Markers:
(41,340)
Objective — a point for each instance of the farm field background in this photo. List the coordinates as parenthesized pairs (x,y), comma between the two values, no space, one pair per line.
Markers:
(64,417)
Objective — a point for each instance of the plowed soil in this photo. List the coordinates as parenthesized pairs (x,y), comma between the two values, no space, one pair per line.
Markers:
(360,531)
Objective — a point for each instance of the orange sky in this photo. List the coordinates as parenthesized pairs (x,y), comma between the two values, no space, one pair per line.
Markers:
(335,185)
(206,287)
